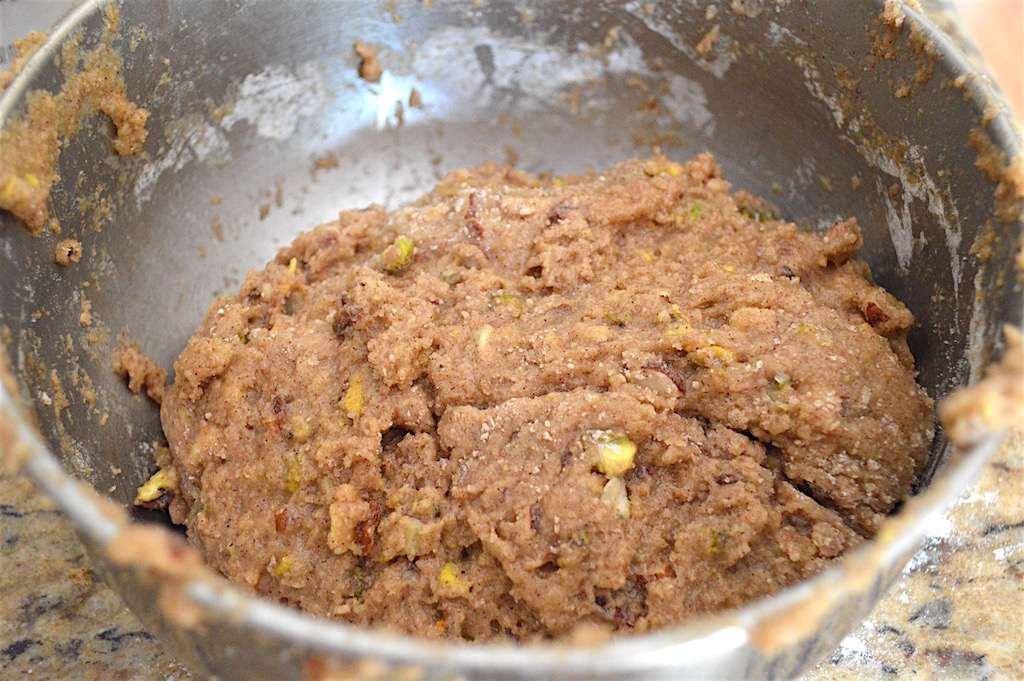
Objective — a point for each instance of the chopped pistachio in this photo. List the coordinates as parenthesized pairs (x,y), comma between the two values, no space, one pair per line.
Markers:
(509,299)
(293,265)
(655,168)
(503,297)
(646,255)
(717,540)
(711,354)
(616,318)
(679,330)
(615,495)
(294,471)
(673,314)
(451,583)
(615,453)
(819,335)
(158,484)
(291,481)
(413,529)
(360,581)
(300,430)
(355,397)
(397,255)
(12,186)
(284,566)
(449,573)
(452,277)
(696,210)
(721,353)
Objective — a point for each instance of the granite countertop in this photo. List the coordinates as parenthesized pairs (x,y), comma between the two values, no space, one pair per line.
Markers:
(956,612)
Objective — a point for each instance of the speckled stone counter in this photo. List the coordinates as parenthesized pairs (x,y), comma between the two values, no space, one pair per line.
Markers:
(957,612)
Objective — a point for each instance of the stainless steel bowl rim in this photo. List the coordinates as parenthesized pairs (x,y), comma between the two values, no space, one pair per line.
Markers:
(707,637)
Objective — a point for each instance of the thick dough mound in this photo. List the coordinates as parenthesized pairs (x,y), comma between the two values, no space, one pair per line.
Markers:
(520,405)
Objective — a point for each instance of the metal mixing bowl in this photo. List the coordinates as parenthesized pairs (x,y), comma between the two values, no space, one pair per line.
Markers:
(796,99)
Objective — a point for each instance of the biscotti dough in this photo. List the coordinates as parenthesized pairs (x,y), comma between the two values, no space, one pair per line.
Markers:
(522,405)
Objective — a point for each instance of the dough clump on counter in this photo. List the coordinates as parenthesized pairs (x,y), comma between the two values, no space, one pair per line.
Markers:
(521,405)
